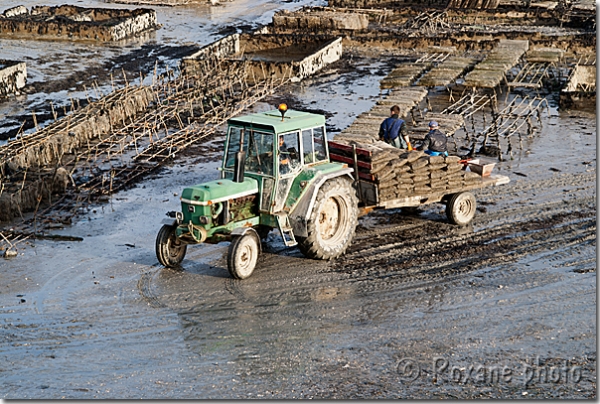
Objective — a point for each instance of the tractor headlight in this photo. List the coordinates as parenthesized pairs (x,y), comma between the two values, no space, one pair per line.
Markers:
(179,216)
(191,208)
(204,219)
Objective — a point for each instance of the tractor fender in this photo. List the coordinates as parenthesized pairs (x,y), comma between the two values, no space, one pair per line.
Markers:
(240,231)
(301,212)
(175,219)
(170,222)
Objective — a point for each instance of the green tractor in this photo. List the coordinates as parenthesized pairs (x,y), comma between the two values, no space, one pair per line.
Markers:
(275,173)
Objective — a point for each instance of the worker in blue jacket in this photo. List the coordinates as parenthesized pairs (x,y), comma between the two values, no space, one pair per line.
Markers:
(436,142)
(393,130)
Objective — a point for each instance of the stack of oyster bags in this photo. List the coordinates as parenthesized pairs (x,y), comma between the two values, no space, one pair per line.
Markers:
(401,173)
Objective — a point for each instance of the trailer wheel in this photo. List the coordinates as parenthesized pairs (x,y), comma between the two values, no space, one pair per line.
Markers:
(332,222)
(243,254)
(170,251)
(460,208)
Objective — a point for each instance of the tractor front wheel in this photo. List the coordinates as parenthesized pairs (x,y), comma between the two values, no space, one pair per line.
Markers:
(243,254)
(332,222)
(170,251)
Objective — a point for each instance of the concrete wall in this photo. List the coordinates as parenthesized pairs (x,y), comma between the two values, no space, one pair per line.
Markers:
(319,21)
(473,4)
(13,76)
(132,26)
(222,48)
(296,42)
(330,53)
(320,56)
(77,23)
(386,3)
(315,53)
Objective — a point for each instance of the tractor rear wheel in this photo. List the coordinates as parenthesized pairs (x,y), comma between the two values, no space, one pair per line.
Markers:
(243,254)
(170,251)
(332,222)
(460,208)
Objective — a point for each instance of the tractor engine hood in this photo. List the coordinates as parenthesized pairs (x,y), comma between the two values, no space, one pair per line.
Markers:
(217,191)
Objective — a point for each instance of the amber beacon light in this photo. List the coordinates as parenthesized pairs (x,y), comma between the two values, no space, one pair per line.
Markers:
(282,109)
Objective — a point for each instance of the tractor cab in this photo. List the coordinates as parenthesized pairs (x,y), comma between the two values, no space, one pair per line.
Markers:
(275,147)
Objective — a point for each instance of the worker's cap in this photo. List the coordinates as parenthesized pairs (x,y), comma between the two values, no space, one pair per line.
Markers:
(433,124)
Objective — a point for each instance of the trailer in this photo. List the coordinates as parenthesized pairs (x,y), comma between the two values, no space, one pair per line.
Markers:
(460,202)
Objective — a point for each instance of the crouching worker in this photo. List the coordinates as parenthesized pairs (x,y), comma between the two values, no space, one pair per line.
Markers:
(435,143)
(393,130)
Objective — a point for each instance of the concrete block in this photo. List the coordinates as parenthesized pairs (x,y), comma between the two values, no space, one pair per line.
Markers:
(319,21)
(15,11)
(13,77)
(223,48)
(265,56)
(72,22)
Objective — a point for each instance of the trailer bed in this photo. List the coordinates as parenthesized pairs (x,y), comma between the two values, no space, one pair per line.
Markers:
(380,174)
(370,193)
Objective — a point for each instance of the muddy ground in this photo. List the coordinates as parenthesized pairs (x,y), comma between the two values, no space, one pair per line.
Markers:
(417,308)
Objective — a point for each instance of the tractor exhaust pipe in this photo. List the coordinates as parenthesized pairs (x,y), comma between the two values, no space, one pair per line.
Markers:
(238,168)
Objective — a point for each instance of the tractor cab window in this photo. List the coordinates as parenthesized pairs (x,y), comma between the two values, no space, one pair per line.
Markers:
(289,156)
(259,156)
(319,142)
(233,145)
(313,147)
(258,147)
(307,146)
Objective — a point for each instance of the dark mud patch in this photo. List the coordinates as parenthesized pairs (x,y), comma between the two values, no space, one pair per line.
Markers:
(208,151)
(237,29)
(147,57)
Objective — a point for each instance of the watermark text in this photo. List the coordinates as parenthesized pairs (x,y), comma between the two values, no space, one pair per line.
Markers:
(526,373)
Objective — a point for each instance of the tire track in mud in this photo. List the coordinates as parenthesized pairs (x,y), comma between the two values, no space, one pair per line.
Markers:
(573,190)
(279,306)
(510,237)
(470,316)
(319,300)
(70,307)
(208,286)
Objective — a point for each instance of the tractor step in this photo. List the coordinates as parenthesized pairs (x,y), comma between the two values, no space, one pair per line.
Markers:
(285,228)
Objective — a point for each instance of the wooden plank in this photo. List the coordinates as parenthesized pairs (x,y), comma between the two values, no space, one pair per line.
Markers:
(349,160)
(523,84)
(368,177)
(347,148)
